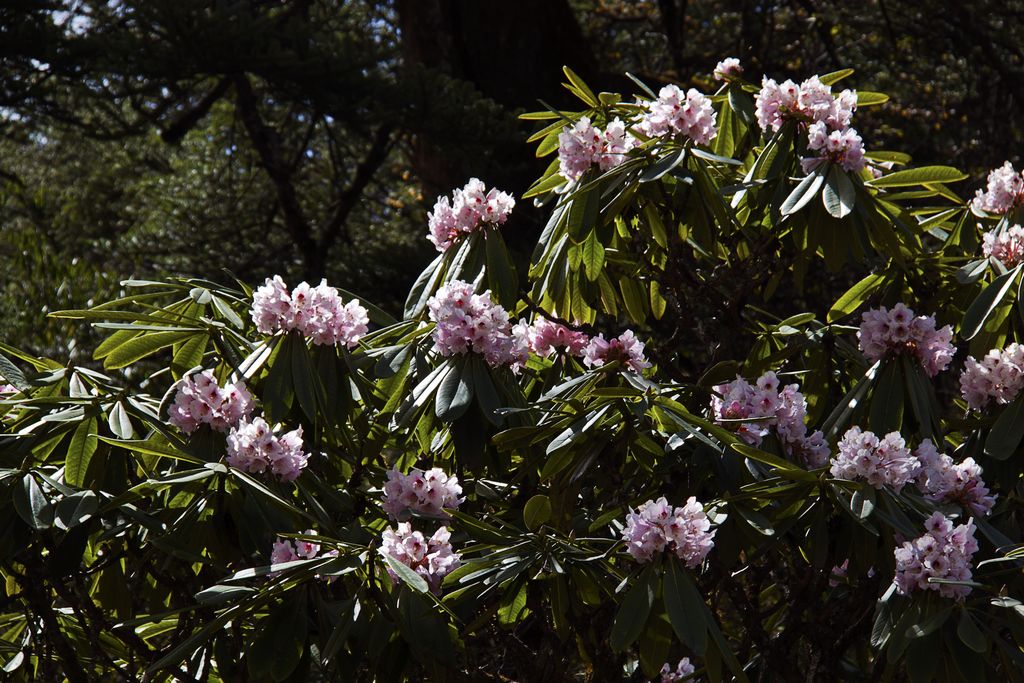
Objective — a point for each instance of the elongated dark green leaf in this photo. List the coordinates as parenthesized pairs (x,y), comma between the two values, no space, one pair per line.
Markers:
(969,633)
(632,615)
(31,503)
(1007,432)
(839,195)
(803,193)
(455,394)
(537,512)
(139,347)
(855,296)
(80,451)
(277,648)
(592,252)
(919,176)
(986,302)
(119,422)
(663,165)
(887,399)
(684,613)
(411,578)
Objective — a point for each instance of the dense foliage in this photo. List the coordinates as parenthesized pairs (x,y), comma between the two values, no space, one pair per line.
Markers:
(673,453)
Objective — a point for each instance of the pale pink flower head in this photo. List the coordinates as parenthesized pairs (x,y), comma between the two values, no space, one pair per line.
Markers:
(271,306)
(880,462)
(431,493)
(201,400)
(810,102)
(841,147)
(1005,245)
(884,333)
(254,447)
(728,68)
(944,481)
(432,558)
(579,146)
(678,114)
(998,377)
(625,348)
(943,552)
(546,337)
(615,144)
(470,208)
(657,526)
(1003,193)
(317,312)
(473,322)
(682,672)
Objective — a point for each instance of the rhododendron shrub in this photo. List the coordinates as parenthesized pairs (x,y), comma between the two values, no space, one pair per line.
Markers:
(699,433)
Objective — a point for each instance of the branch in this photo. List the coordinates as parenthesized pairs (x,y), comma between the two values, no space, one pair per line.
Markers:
(184,123)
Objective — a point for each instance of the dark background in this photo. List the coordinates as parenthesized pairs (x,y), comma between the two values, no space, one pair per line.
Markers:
(160,137)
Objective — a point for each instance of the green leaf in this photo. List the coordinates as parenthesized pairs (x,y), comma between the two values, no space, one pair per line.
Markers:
(188,354)
(119,422)
(303,377)
(919,176)
(663,165)
(1007,432)
(684,606)
(834,77)
(411,578)
(455,393)
(278,646)
(803,193)
(839,194)
(855,296)
(537,512)
(75,509)
(635,297)
(592,252)
(80,451)
(580,88)
(986,302)
(139,347)
(887,399)
(866,98)
(31,503)
(969,633)
(632,615)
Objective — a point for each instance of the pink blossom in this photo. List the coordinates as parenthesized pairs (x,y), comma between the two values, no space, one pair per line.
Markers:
(583,145)
(472,322)
(842,147)
(469,208)
(429,493)
(879,462)
(253,447)
(674,113)
(317,312)
(684,669)
(1005,245)
(545,337)
(625,348)
(290,551)
(200,400)
(1004,192)
(728,68)
(431,558)
(811,101)
(656,526)
(884,333)
(943,552)
(998,377)
(769,408)
(944,481)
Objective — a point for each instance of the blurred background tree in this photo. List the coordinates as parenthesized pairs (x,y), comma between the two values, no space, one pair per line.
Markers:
(310,137)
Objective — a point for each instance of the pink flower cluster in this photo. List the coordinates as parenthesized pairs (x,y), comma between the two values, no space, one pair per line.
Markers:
(656,526)
(944,481)
(584,145)
(472,322)
(427,492)
(684,669)
(879,462)
(1004,192)
(432,558)
(290,551)
(1004,245)
(676,113)
(546,337)
(317,312)
(886,333)
(472,206)
(729,67)
(200,400)
(811,101)
(784,410)
(625,348)
(943,552)
(843,147)
(998,377)
(253,447)
(8,389)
